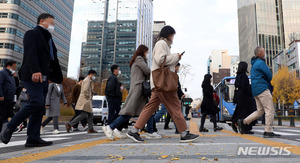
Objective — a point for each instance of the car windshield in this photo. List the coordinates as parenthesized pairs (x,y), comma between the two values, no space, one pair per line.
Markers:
(97,103)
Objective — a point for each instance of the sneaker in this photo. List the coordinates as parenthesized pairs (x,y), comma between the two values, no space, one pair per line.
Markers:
(42,130)
(241,126)
(271,135)
(56,131)
(188,138)
(108,132)
(218,129)
(118,134)
(135,137)
(85,128)
(154,135)
(203,130)
(20,128)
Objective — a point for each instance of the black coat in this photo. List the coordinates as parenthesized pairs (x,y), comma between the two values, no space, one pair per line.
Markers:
(112,88)
(37,56)
(245,101)
(179,91)
(7,85)
(208,106)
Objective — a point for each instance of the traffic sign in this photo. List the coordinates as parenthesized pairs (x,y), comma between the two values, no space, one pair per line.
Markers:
(296,105)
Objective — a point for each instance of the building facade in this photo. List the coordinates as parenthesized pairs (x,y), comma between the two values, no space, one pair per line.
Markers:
(266,23)
(157,26)
(18,16)
(218,76)
(114,30)
(234,68)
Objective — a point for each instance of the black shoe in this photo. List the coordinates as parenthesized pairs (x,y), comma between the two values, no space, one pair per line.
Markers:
(234,128)
(167,128)
(241,126)
(188,138)
(218,129)
(203,130)
(38,143)
(6,134)
(271,135)
(249,132)
(176,132)
(135,137)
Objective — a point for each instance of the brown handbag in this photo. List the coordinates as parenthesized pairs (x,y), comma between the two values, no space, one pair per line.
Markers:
(165,80)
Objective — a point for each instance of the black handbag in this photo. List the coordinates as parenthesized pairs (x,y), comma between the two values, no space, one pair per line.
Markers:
(146,89)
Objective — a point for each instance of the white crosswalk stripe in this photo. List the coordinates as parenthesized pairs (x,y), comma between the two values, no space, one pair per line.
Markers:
(277,132)
(22,142)
(290,130)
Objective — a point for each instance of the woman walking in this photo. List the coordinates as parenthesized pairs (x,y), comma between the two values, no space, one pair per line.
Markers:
(244,99)
(135,101)
(161,54)
(208,106)
(55,93)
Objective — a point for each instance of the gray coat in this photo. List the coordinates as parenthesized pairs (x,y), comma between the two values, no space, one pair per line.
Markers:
(53,100)
(135,101)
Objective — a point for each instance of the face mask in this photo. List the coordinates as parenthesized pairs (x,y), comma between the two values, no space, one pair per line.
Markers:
(51,28)
(24,90)
(12,71)
(119,72)
(93,78)
(122,88)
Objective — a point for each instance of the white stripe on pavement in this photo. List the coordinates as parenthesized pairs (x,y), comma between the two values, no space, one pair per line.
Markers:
(289,130)
(276,132)
(22,142)
(178,144)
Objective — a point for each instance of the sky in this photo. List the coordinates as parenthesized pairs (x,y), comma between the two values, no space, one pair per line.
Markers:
(201,26)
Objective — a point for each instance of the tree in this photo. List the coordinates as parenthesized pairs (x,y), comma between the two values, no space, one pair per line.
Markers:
(124,94)
(286,87)
(184,71)
(68,84)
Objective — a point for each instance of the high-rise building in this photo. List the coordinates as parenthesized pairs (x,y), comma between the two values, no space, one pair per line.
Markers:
(157,26)
(115,29)
(266,23)
(220,59)
(18,16)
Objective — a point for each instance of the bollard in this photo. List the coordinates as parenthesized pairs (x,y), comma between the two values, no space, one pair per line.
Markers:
(292,118)
(279,117)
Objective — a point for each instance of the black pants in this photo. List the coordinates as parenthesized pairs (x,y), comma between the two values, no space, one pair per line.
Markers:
(34,110)
(114,107)
(77,112)
(168,119)
(213,118)
(6,111)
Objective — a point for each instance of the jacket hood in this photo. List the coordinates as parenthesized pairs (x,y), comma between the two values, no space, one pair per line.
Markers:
(255,58)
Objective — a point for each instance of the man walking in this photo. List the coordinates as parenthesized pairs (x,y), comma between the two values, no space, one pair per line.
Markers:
(39,65)
(84,103)
(261,77)
(7,91)
(113,94)
(75,95)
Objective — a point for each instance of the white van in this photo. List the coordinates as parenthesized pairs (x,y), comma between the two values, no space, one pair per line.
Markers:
(100,110)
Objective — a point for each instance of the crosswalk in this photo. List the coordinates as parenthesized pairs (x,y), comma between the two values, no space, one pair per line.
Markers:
(283,132)
(19,138)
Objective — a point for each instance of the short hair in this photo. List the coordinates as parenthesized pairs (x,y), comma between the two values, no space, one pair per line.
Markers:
(178,64)
(113,67)
(10,63)
(256,50)
(92,72)
(80,78)
(44,16)
(166,31)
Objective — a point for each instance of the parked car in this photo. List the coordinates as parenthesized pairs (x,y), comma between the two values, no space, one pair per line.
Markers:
(100,110)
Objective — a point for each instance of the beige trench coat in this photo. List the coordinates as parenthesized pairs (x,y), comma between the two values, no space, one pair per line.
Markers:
(84,102)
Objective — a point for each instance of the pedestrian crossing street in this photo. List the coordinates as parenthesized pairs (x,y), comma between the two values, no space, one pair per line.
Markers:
(19,138)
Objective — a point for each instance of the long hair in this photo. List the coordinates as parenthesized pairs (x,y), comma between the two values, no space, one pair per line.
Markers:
(206,80)
(142,49)
(242,68)
(165,32)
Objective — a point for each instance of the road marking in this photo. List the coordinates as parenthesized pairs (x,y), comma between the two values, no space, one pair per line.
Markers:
(290,130)
(294,149)
(177,144)
(22,142)
(277,132)
(42,155)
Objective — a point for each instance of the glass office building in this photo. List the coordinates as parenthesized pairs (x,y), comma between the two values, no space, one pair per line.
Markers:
(115,29)
(18,16)
(266,23)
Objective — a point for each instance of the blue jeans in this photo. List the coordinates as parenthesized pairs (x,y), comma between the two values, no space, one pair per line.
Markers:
(34,109)
(122,119)
(161,113)
(150,125)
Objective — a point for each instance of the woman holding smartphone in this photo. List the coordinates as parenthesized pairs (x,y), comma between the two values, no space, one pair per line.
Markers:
(161,52)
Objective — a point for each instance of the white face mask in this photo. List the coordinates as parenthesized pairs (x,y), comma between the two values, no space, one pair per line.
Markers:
(119,72)
(93,78)
(12,71)
(122,88)
(51,28)
(24,90)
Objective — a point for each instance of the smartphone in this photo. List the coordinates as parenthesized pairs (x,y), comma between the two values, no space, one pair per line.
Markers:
(182,53)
